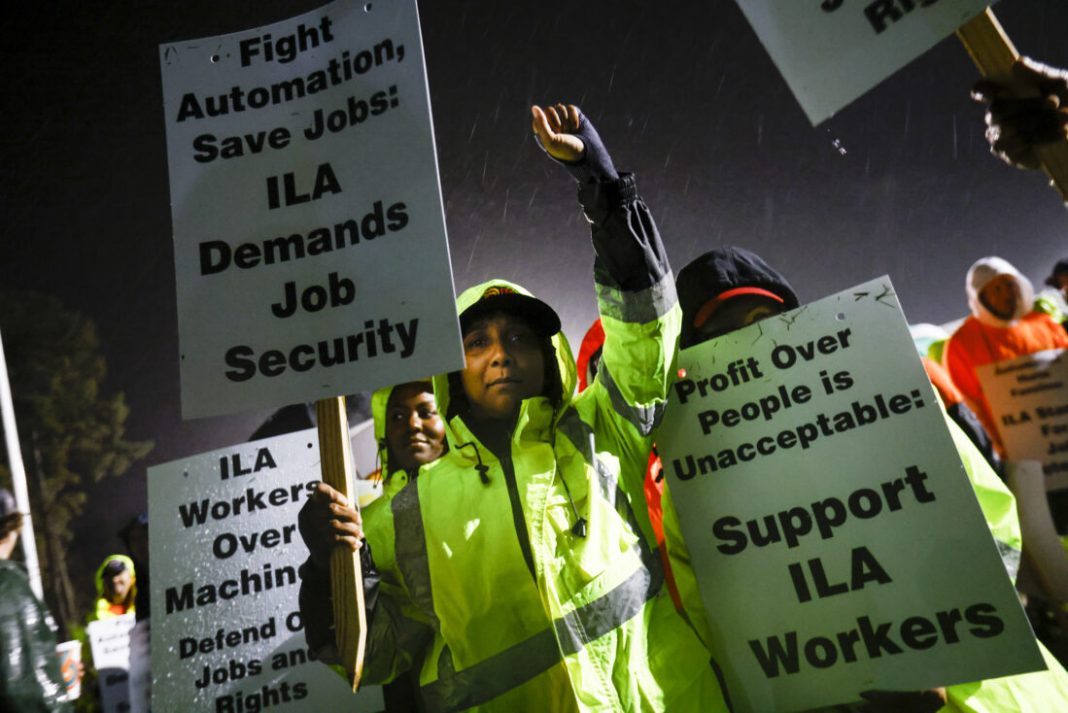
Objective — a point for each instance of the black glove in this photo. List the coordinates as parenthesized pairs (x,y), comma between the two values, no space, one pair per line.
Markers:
(595,164)
(1025,111)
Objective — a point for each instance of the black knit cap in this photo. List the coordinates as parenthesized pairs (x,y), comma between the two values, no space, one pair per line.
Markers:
(717,271)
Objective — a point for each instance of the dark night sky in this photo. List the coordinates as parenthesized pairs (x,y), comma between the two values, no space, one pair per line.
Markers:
(682,93)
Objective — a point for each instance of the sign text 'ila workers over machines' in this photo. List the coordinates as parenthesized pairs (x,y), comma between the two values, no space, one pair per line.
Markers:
(304,189)
(837,542)
(227,631)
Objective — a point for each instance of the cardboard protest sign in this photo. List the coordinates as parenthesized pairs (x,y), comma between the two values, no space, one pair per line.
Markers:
(109,640)
(832,52)
(227,635)
(1028,398)
(304,189)
(836,539)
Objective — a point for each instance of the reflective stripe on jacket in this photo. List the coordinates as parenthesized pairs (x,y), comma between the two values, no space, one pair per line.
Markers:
(492,590)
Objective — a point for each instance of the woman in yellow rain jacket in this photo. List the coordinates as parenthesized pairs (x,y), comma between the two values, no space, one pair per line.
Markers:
(519,571)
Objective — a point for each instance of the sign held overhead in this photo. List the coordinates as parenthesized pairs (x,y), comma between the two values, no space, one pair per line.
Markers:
(304,187)
(832,52)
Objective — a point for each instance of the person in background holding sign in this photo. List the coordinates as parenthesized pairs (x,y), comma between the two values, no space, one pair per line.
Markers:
(730,288)
(410,433)
(527,569)
(1002,326)
(30,679)
(116,588)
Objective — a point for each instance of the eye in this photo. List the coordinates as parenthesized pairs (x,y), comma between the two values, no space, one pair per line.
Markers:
(474,341)
(521,337)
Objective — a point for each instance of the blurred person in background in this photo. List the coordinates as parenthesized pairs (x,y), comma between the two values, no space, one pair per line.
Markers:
(30,678)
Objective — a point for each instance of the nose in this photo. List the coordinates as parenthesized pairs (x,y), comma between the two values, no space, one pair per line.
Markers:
(501,355)
(414,422)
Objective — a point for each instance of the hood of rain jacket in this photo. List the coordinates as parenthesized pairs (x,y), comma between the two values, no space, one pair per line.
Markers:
(982,272)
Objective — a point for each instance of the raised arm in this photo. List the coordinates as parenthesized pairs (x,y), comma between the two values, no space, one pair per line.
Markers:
(635,287)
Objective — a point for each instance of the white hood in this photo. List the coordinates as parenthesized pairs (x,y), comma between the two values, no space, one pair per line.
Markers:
(985,270)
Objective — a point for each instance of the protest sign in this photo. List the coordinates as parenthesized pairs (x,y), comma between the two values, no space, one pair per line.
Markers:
(109,640)
(304,190)
(1028,398)
(832,52)
(836,539)
(227,635)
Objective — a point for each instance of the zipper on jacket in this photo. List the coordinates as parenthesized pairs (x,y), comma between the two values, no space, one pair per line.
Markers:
(519,520)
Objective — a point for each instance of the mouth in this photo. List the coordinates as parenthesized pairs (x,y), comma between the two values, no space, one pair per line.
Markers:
(505,381)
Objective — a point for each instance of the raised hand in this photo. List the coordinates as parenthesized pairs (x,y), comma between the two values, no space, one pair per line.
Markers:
(555,127)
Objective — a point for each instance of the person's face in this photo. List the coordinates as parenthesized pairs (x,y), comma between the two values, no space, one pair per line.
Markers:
(117,587)
(414,430)
(505,365)
(735,313)
(1001,296)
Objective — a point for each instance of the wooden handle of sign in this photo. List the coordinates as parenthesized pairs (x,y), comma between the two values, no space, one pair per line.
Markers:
(346,576)
(994,54)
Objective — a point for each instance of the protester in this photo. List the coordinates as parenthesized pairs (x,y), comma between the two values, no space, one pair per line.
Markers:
(1002,326)
(410,433)
(116,588)
(525,575)
(730,288)
(30,678)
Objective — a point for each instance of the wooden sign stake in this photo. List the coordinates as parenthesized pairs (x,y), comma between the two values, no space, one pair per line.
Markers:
(994,54)
(346,576)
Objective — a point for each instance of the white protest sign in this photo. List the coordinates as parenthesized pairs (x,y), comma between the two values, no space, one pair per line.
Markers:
(832,52)
(227,634)
(1028,398)
(837,542)
(109,640)
(304,194)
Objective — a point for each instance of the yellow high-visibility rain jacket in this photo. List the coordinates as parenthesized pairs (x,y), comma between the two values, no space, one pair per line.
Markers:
(1025,693)
(489,584)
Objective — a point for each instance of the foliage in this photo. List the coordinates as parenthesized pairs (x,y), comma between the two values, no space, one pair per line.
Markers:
(71,432)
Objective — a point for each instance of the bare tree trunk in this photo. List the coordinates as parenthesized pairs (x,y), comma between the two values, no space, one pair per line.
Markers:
(61,585)
(54,565)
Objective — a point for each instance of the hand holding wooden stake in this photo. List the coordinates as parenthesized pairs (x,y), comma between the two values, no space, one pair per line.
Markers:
(997,59)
